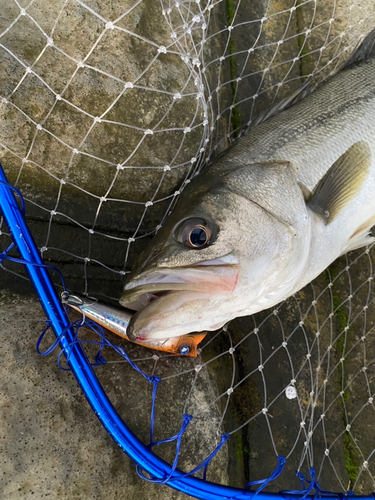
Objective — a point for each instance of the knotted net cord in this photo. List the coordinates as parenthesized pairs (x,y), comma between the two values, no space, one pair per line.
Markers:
(223,90)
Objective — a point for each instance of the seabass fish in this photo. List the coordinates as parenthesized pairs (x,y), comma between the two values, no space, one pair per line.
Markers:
(268,216)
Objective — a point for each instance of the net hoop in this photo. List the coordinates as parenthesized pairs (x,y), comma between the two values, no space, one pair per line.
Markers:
(89,383)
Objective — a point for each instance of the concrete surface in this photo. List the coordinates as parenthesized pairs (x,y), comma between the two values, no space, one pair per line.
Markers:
(52,446)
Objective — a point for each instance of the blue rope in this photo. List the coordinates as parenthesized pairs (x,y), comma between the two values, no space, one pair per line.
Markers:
(99,359)
(102,342)
(264,482)
(312,485)
(178,438)
(204,465)
(13,188)
(306,485)
(73,327)
(153,380)
(4,256)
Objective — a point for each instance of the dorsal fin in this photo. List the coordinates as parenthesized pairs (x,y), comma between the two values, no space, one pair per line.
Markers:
(300,93)
(364,52)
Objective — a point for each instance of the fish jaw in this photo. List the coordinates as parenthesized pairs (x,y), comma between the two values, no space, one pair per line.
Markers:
(170,300)
(178,314)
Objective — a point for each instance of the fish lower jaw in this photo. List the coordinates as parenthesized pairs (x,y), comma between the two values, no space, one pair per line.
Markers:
(149,334)
(179,314)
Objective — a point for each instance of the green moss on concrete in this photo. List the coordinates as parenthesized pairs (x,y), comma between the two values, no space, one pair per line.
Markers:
(350,459)
(239,448)
(342,321)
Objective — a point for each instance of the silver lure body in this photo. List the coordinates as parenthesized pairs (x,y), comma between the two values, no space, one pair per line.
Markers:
(117,320)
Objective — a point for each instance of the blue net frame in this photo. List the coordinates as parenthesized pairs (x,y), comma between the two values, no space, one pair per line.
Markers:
(149,465)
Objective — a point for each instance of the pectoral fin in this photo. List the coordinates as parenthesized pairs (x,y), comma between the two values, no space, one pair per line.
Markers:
(342,182)
(362,237)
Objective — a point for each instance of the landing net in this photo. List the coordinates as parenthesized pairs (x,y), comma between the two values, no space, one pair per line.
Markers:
(107,112)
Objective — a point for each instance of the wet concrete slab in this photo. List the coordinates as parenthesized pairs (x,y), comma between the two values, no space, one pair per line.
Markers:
(52,444)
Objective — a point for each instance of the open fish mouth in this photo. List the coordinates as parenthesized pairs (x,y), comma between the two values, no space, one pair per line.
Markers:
(157,294)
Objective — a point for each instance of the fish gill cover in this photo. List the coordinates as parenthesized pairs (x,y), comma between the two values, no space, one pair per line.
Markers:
(107,111)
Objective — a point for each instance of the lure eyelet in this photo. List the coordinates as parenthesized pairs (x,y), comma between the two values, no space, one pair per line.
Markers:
(184,350)
(67,298)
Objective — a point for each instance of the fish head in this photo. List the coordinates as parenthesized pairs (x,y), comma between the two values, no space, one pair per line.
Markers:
(218,251)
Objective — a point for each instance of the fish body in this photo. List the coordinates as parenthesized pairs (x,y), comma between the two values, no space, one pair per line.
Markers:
(268,216)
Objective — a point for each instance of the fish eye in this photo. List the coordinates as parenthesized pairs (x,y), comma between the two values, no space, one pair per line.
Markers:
(198,237)
(195,233)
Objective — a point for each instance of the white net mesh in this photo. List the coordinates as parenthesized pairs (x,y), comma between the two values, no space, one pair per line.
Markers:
(107,110)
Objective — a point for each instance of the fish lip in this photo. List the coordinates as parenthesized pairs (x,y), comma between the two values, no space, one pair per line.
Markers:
(142,292)
(147,276)
(146,287)
(152,276)
(142,289)
(142,295)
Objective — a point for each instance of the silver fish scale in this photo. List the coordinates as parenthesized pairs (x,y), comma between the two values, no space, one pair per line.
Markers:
(333,115)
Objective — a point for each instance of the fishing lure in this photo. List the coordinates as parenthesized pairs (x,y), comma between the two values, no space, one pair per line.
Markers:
(117,320)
